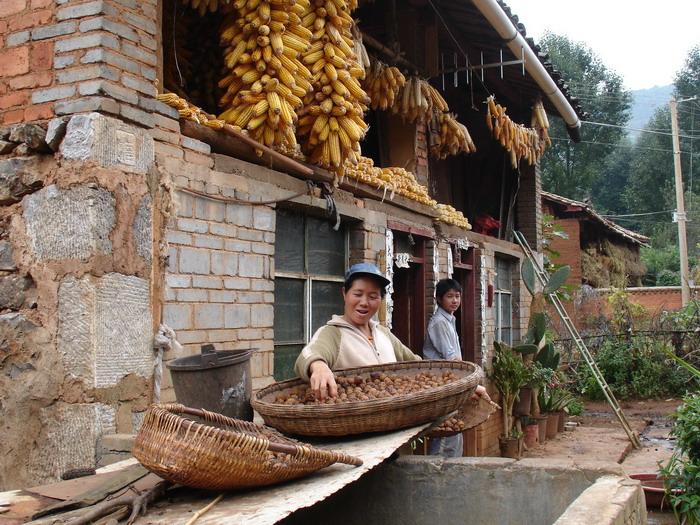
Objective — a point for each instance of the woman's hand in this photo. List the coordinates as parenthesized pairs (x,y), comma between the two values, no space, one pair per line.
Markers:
(480,392)
(322,380)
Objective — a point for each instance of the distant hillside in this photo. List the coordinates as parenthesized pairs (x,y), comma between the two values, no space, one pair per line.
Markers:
(645,102)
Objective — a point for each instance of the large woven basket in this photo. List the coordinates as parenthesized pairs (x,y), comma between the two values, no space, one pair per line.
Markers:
(231,455)
(473,413)
(376,415)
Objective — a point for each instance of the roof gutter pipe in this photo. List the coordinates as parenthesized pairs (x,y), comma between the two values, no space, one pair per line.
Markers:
(493,12)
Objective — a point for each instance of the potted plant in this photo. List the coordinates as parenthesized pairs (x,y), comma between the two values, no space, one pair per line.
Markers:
(509,374)
(530,431)
(553,400)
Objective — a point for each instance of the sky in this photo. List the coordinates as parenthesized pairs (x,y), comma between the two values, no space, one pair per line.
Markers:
(644,41)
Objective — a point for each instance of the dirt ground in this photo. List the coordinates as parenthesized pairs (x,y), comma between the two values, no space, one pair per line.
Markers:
(599,436)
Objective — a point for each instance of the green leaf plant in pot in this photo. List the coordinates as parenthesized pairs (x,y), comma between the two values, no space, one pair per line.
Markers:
(553,400)
(509,374)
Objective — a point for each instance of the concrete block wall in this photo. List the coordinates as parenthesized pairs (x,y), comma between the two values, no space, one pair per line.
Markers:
(60,57)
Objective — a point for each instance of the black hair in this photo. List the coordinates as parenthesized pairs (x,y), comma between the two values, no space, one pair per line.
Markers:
(348,283)
(445,285)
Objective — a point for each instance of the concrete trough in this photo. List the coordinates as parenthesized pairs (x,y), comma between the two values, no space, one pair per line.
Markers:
(423,490)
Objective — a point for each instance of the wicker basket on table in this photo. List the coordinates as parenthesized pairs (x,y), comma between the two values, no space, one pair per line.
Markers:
(231,455)
(357,417)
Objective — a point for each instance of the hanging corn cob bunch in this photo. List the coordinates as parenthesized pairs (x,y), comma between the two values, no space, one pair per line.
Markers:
(266,80)
(189,111)
(418,100)
(521,142)
(360,50)
(449,215)
(448,136)
(540,122)
(383,84)
(202,6)
(393,180)
(331,120)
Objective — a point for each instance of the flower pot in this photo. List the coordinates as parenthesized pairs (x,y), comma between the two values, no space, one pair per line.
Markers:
(510,447)
(562,421)
(654,492)
(552,425)
(532,435)
(542,424)
(522,407)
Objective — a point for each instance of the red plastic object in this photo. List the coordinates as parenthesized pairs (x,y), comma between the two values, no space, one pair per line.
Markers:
(654,492)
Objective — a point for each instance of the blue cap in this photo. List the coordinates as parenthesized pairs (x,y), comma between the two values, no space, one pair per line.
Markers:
(368,269)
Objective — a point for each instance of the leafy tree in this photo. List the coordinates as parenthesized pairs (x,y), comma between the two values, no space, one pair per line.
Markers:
(574,170)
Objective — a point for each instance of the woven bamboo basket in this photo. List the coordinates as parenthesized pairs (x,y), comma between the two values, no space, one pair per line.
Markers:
(473,412)
(223,453)
(375,415)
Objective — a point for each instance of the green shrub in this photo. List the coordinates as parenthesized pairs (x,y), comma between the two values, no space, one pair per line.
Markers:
(637,368)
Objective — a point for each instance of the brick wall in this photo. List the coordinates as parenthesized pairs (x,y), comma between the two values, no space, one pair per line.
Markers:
(529,205)
(61,57)
(569,249)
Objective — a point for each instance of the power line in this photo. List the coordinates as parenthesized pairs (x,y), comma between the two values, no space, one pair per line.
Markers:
(636,129)
(623,146)
(638,214)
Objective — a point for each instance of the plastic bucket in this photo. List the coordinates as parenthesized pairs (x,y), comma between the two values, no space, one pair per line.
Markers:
(215,381)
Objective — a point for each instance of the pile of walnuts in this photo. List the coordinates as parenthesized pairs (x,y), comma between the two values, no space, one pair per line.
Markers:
(452,425)
(376,386)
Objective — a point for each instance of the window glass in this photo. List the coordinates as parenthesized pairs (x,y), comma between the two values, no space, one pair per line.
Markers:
(326,300)
(503,274)
(285,357)
(310,260)
(289,311)
(289,242)
(326,251)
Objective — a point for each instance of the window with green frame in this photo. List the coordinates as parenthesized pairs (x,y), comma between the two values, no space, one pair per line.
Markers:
(310,262)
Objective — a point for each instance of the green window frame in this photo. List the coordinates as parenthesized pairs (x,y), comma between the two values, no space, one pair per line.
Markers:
(310,263)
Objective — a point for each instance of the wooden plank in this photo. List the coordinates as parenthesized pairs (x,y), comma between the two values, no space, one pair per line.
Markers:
(239,146)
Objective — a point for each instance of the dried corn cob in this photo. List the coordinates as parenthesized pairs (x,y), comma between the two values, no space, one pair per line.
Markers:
(331,120)
(383,84)
(266,79)
(522,143)
(202,6)
(450,137)
(449,215)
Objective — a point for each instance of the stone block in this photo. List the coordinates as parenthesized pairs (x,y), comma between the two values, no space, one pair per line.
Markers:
(192,296)
(87,213)
(70,434)
(32,135)
(208,241)
(78,74)
(240,215)
(62,61)
(191,225)
(142,229)
(209,210)
(6,147)
(223,263)
(93,24)
(208,316)
(13,288)
(250,266)
(138,53)
(18,177)
(136,115)
(6,261)
(262,315)
(109,142)
(236,283)
(84,104)
(236,316)
(202,281)
(194,261)
(263,218)
(16,39)
(104,328)
(177,237)
(178,316)
(52,31)
(178,281)
(55,132)
(81,10)
(196,145)
(86,41)
(117,442)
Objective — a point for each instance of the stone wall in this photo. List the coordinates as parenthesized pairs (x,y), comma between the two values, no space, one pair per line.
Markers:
(75,321)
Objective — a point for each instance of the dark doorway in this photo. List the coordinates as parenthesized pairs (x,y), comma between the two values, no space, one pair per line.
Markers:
(408,318)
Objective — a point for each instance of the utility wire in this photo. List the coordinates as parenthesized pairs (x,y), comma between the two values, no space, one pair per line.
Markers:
(623,146)
(636,129)
(638,214)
